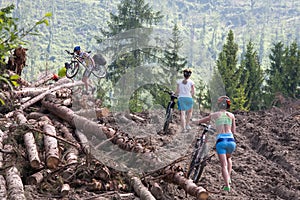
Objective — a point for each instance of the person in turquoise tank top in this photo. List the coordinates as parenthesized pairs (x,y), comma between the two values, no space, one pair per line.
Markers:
(224,123)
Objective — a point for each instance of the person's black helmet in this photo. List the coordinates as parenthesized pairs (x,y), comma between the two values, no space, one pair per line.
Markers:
(187,73)
(77,48)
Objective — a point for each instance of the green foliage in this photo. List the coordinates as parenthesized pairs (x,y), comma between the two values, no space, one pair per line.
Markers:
(284,72)
(251,79)
(227,65)
(172,61)
(10,38)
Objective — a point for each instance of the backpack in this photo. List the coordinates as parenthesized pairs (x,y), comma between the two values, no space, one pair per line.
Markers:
(99,59)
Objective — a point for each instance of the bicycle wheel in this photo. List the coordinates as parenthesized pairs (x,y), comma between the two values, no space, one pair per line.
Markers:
(72,69)
(99,71)
(197,164)
(167,119)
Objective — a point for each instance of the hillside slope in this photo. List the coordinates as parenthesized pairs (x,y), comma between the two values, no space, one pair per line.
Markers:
(204,25)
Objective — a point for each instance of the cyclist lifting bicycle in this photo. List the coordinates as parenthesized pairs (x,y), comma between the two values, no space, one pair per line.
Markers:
(90,65)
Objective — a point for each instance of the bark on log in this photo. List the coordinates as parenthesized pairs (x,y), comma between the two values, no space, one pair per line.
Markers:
(43,80)
(83,142)
(3,191)
(29,142)
(65,189)
(2,136)
(94,113)
(187,184)
(14,184)
(51,147)
(141,190)
(37,178)
(156,190)
(71,158)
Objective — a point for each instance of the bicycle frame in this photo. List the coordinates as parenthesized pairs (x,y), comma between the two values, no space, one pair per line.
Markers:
(168,115)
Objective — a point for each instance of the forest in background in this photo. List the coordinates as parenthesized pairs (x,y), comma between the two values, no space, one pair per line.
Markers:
(241,68)
(203,25)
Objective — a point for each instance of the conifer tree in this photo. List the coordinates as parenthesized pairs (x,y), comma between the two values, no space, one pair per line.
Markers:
(251,78)
(227,66)
(172,60)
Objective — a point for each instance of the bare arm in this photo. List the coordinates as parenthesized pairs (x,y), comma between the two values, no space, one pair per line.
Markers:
(202,120)
(177,90)
(233,127)
(193,90)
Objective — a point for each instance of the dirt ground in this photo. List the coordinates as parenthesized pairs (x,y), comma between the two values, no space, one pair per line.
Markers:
(265,164)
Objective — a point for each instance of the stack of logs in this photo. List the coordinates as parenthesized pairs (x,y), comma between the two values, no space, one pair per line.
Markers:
(40,145)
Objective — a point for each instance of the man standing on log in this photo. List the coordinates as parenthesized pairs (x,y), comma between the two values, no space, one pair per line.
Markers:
(225,127)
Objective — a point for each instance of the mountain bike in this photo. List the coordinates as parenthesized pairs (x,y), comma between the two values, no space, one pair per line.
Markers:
(200,155)
(73,67)
(170,107)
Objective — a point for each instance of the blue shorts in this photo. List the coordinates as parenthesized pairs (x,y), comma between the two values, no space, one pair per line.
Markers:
(185,103)
(225,143)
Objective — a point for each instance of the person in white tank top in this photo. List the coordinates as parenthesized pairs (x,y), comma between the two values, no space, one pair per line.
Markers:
(185,91)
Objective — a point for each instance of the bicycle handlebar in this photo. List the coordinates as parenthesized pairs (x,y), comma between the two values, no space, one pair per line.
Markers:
(171,93)
(208,127)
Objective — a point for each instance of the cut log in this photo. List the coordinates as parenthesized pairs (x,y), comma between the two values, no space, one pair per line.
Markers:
(156,190)
(3,191)
(137,118)
(65,189)
(37,178)
(29,142)
(71,158)
(187,184)
(83,142)
(43,80)
(14,184)
(51,147)
(94,113)
(141,190)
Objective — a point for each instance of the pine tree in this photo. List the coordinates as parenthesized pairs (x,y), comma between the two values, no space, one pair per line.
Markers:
(291,72)
(251,78)
(172,61)
(227,66)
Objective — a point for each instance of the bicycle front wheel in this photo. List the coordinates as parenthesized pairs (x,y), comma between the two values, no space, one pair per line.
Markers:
(198,163)
(99,71)
(72,69)
(167,120)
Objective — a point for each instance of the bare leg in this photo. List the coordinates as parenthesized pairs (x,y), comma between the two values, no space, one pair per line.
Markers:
(189,116)
(229,164)
(224,166)
(182,119)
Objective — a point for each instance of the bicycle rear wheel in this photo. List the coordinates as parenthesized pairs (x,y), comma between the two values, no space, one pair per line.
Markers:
(99,71)
(167,119)
(72,69)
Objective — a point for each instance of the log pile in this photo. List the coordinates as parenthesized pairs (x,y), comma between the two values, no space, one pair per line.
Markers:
(45,144)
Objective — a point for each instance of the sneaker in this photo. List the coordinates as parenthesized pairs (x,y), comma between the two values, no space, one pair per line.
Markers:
(229,181)
(226,188)
(188,127)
